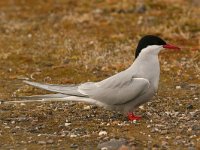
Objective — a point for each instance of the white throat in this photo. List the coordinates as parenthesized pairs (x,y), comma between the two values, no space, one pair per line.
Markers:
(151,50)
(147,64)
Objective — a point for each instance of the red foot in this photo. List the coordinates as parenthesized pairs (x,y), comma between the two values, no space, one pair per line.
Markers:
(132,117)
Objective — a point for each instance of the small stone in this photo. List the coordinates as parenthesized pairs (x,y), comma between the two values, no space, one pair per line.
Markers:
(168,137)
(164,143)
(73,136)
(141,107)
(73,145)
(140,8)
(155,147)
(41,142)
(190,106)
(1,101)
(29,35)
(87,107)
(22,104)
(67,124)
(50,141)
(134,121)
(164,132)
(148,126)
(97,11)
(196,127)
(193,136)
(104,148)
(178,87)
(101,133)
(189,129)
(154,130)
(112,144)
(7,127)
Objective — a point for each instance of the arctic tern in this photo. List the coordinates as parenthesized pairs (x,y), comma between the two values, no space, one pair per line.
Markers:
(124,91)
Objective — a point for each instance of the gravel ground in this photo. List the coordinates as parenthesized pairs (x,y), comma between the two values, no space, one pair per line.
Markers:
(70,41)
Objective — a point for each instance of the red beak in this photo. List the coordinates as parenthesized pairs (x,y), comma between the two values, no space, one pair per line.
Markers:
(169,46)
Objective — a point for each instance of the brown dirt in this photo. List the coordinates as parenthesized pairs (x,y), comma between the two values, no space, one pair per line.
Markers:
(76,41)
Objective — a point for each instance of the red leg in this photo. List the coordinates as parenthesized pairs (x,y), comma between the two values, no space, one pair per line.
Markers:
(132,117)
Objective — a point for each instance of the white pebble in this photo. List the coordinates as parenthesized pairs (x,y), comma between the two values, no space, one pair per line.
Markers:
(148,126)
(178,87)
(104,148)
(86,107)
(67,124)
(73,136)
(102,133)
(141,107)
(29,35)
(22,104)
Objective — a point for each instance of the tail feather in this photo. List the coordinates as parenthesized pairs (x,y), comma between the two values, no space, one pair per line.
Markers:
(64,93)
(38,97)
(63,89)
(56,98)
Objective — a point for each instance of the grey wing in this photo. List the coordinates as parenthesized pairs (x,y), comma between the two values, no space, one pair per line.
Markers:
(115,92)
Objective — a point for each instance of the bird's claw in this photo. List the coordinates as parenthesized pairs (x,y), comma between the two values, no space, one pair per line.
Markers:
(132,117)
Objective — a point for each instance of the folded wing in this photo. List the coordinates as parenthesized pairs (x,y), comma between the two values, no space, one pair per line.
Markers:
(116,92)
(112,91)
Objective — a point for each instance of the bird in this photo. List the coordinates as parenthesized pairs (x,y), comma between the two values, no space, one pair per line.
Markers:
(123,92)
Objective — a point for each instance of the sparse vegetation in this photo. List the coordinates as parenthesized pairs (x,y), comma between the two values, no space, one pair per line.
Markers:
(76,41)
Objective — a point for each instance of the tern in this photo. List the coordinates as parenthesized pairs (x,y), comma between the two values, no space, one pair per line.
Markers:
(124,91)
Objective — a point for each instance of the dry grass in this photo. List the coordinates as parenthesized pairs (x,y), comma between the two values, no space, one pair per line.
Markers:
(76,41)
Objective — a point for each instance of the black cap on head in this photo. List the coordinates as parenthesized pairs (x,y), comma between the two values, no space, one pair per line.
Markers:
(148,40)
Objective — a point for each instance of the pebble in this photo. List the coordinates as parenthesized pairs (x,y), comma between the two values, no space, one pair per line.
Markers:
(178,87)
(101,133)
(29,35)
(1,101)
(41,142)
(190,106)
(189,129)
(140,8)
(73,136)
(148,126)
(196,127)
(73,145)
(7,127)
(141,107)
(87,107)
(22,104)
(50,141)
(104,148)
(164,143)
(164,132)
(67,124)
(112,144)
